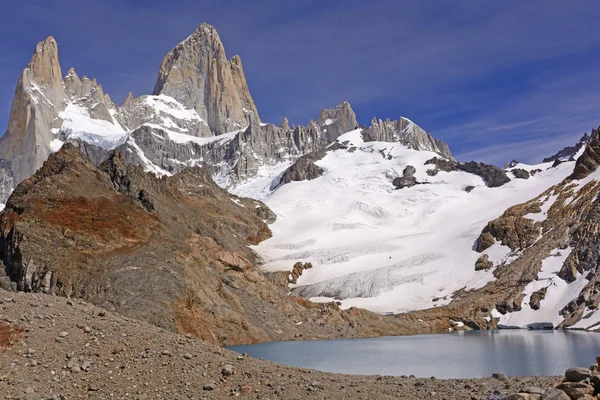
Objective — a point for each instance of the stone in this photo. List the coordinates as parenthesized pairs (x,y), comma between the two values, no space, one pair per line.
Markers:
(520,173)
(227,370)
(483,263)
(499,376)
(532,390)
(407,179)
(188,356)
(576,390)
(63,334)
(245,389)
(209,387)
(577,374)
(554,394)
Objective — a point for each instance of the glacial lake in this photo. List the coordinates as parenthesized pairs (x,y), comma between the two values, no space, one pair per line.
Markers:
(466,354)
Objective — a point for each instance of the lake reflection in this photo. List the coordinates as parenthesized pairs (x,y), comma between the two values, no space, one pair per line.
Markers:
(466,354)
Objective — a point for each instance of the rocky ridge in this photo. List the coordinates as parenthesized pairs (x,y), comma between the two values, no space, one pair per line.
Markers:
(170,251)
(201,113)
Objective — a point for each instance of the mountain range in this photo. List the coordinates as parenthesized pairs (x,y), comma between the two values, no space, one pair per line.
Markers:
(184,209)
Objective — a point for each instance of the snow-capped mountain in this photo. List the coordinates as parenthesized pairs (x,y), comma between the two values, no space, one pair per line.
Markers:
(389,220)
(201,113)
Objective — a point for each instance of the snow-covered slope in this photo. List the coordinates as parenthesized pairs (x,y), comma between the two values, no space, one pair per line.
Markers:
(387,250)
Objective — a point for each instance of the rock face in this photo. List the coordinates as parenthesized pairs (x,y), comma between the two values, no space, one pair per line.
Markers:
(335,121)
(520,173)
(589,160)
(406,132)
(38,99)
(491,175)
(198,75)
(303,169)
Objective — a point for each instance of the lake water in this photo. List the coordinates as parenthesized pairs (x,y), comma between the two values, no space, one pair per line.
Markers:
(467,354)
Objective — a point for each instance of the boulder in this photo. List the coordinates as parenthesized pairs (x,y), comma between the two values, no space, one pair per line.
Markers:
(578,374)
(576,390)
(483,263)
(536,298)
(407,179)
(554,394)
(520,173)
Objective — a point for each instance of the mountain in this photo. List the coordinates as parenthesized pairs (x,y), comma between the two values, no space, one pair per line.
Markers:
(198,75)
(380,217)
(400,231)
(171,251)
(569,152)
(200,113)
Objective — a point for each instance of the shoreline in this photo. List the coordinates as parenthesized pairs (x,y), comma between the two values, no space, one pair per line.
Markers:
(69,348)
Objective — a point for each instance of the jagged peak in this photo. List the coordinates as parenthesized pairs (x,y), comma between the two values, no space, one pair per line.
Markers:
(128,100)
(44,66)
(285,124)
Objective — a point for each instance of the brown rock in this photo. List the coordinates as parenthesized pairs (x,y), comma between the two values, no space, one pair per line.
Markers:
(576,390)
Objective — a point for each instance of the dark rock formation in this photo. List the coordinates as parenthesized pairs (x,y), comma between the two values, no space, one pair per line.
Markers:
(537,297)
(589,160)
(407,179)
(491,175)
(511,229)
(520,173)
(483,263)
(303,169)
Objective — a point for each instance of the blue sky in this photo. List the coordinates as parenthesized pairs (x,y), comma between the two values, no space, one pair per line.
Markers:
(496,80)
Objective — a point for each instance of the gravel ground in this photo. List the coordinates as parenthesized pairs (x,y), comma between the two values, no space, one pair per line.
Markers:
(57,348)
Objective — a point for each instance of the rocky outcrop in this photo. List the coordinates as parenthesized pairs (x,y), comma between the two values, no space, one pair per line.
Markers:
(407,179)
(406,132)
(520,173)
(303,169)
(483,263)
(491,175)
(589,160)
(198,75)
(511,229)
(38,99)
(569,152)
(334,122)
(89,94)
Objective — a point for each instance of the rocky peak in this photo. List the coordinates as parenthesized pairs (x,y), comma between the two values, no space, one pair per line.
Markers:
(38,99)
(568,153)
(334,122)
(406,132)
(589,160)
(44,67)
(198,75)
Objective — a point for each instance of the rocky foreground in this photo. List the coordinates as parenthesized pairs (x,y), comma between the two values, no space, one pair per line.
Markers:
(57,348)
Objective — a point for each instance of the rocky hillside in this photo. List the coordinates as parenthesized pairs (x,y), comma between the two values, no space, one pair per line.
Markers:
(170,251)
(201,112)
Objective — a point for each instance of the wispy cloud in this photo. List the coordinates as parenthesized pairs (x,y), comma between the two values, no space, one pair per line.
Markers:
(477,74)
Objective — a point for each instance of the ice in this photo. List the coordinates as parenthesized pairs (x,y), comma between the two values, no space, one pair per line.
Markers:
(170,106)
(355,228)
(77,124)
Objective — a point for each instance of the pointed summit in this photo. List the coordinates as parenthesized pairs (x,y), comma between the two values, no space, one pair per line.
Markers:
(197,74)
(337,121)
(39,98)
